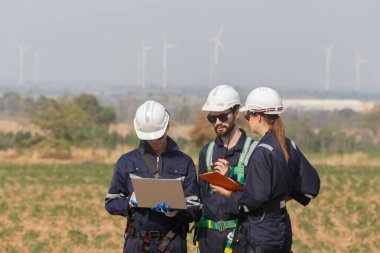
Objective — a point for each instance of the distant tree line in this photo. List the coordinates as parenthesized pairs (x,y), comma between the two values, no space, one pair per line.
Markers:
(179,107)
(14,105)
(314,131)
(334,131)
(83,121)
(79,121)
(65,122)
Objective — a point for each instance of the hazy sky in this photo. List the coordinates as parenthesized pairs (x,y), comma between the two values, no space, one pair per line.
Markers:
(276,43)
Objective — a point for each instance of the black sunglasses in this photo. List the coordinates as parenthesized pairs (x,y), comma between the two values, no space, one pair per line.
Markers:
(222,117)
(249,114)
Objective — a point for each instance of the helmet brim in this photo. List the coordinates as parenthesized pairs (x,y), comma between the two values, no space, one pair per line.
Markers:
(246,108)
(148,136)
(243,109)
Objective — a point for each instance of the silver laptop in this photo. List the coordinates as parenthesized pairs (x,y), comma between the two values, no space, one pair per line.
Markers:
(150,191)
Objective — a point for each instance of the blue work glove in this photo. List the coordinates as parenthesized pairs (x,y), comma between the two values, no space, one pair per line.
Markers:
(133,203)
(163,207)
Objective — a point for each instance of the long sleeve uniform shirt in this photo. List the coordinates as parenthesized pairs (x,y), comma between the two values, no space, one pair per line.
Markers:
(171,164)
(214,206)
(268,176)
(306,182)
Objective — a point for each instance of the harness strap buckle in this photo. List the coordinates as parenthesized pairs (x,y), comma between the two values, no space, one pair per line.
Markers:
(221,226)
(154,234)
(166,240)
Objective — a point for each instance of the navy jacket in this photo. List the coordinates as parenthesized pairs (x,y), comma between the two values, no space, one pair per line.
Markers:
(268,176)
(214,206)
(172,164)
(306,182)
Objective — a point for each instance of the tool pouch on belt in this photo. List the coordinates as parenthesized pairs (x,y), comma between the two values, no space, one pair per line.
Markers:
(239,241)
(147,239)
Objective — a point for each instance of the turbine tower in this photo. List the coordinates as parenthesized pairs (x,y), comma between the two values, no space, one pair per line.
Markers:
(210,72)
(139,72)
(143,55)
(165,47)
(215,57)
(327,66)
(358,62)
(36,66)
(21,51)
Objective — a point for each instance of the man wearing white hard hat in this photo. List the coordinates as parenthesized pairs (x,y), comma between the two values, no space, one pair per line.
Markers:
(156,229)
(276,171)
(227,155)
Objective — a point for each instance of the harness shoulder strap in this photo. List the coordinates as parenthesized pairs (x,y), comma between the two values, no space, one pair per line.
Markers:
(246,147)
(210,150)
(148,162)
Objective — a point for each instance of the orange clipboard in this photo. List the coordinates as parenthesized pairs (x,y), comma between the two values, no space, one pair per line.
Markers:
(218,179)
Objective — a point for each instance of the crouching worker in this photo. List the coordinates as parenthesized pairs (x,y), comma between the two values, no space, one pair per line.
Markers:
(156,229)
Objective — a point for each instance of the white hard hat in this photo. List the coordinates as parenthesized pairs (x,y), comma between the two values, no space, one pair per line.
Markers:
(263,99)
(221,98)
(151,120)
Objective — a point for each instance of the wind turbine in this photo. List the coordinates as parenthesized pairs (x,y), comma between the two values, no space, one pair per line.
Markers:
(139,72)
(211,71)
(215,57)
(21,51)
(144,50)
(165,47)
(327,66)
(36,65)
(358,62)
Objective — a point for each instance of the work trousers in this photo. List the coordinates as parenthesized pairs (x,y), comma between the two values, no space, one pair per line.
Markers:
(133,244)
(212,240)
(269,235)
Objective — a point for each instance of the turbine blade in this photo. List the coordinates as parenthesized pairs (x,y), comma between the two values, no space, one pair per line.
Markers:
(220,33)
(220,45)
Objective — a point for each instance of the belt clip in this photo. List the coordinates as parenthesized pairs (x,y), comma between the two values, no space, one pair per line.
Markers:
(262,218)
(154,234)
(221,226)
(259,220)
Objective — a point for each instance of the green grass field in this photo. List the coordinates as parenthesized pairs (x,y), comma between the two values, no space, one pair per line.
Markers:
(61,209)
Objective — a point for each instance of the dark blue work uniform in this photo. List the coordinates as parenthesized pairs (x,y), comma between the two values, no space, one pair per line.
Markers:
(306,182)
(145,221)
(214,206)
(266,224)
(268,182)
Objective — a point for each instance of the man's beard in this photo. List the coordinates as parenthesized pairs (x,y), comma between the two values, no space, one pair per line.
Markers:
(227,131)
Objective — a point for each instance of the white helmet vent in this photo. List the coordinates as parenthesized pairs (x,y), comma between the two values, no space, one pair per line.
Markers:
(151,120)
(221,98)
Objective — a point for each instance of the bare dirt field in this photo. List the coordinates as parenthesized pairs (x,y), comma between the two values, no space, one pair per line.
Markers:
(104,156)
(60,208)
(57,205)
